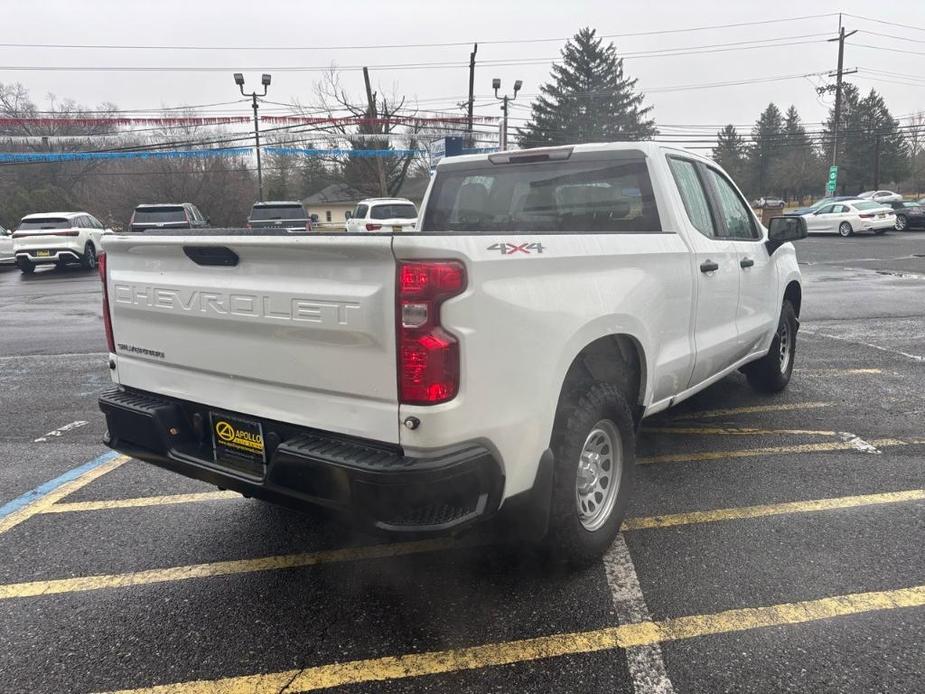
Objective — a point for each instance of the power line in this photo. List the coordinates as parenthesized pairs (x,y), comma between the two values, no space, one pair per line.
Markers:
(883,21)
(468,42)
(660,53)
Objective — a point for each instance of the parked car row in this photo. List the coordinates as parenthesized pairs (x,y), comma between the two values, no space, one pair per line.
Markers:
(876,211)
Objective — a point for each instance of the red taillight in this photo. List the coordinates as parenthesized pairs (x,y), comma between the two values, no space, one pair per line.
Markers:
(107,318)
(428,356)
(373,227)
(868,215)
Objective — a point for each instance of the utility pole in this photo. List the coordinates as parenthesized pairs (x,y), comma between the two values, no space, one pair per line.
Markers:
(840,72)
(371,114)
(496,85)
(265,81)
(471,103)
(876,160)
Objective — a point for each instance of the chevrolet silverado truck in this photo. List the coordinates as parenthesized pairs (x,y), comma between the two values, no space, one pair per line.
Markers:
(496,361)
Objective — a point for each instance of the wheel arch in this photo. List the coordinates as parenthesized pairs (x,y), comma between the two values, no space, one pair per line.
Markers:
(794,294)
(618,359)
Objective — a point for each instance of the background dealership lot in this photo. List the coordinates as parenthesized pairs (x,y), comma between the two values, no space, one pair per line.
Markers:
(807,506)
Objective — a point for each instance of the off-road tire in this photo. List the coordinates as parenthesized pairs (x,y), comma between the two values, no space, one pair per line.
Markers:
(568,539)
(770,374)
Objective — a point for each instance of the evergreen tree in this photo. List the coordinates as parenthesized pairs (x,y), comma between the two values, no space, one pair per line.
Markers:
(589,99)
(731,153)
(863,121)
(766,147)
(797,170)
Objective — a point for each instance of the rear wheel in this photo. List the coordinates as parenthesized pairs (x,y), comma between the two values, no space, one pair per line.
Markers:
(901,222)
(594,445)
(772,372)
(25,265)
(845,230)
(88,262)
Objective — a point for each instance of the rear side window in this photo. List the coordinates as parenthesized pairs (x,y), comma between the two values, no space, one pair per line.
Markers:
(393,212)
(573,196)
(361,211)
(261,212)
(693,195)
(735,213)
(44,223)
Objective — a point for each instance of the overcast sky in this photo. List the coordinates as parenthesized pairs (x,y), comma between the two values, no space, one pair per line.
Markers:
(268,23)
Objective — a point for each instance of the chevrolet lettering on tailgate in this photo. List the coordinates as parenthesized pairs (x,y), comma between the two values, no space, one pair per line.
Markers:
(259,306)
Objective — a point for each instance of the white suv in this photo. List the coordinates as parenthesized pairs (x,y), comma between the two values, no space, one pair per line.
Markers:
(383,214)
(6,246)
(59,238)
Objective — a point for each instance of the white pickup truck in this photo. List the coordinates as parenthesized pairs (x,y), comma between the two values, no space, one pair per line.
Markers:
(498,358)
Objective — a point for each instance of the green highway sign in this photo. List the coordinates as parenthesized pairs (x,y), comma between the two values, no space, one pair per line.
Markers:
(833,180)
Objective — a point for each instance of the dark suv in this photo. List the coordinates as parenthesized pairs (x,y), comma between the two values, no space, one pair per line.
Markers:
(181,215)
(279,214)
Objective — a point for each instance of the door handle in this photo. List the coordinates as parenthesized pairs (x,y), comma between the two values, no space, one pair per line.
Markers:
(708,266)
(746,262)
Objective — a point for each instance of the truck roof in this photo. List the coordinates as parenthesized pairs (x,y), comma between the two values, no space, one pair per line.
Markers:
(648,148)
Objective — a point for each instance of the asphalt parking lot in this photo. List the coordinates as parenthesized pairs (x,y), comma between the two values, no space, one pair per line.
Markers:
(773,544)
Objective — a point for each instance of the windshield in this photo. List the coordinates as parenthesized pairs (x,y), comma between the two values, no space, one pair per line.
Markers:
(159,215)
(393,212)
(45,223)
(549,196)
(269,212)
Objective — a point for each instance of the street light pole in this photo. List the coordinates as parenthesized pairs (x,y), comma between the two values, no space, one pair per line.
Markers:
(265,81)
(496,85)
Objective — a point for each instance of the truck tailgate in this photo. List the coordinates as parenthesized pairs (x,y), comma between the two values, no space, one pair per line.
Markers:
(299,330)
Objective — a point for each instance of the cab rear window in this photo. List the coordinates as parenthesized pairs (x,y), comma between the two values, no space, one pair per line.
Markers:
(159,215)
(262,212)
(393,212)
(574,196)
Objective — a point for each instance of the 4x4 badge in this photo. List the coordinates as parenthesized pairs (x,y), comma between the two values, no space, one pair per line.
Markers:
(508,248)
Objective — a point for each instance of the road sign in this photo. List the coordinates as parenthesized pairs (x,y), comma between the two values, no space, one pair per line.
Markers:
(833,180)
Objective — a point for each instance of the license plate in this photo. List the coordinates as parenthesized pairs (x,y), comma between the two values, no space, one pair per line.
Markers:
(397,227)
(881,216)
(42,254)
(238,441)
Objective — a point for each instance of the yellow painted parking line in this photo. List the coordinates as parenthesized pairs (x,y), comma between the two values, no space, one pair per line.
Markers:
(724,514)
(772,450)
(788,407)
(736,431)
(221,568)
(139,502)
(556,645)
(43,503)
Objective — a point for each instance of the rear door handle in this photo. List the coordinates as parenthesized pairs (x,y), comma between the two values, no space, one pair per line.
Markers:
(746,262)
(708,266)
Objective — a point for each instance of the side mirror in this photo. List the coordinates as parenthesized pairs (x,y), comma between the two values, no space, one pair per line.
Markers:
(348,215)
(781,230)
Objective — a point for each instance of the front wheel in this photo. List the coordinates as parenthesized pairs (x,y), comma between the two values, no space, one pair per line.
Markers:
(901,222)
(594,445)
(845,230)
(772,372)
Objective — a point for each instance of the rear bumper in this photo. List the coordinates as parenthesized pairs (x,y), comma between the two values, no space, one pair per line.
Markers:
(55,254)
(375,485)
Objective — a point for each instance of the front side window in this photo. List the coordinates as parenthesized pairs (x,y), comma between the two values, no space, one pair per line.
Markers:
(693,195)
(735,213)
(558,197)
